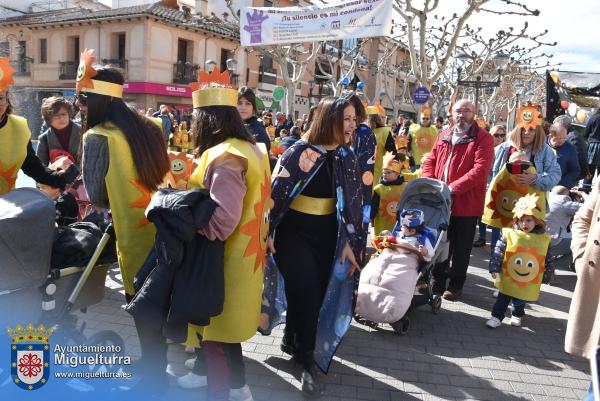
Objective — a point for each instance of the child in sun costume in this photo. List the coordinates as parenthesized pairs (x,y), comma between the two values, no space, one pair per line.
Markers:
(235,169)
(386,194)
(520,262)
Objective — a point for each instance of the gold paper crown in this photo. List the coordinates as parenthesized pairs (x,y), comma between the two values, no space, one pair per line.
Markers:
(528,116)
(375,109)
(213,89)
(390,162)
(528,206)
(30,333)
(6,74)
(85,73)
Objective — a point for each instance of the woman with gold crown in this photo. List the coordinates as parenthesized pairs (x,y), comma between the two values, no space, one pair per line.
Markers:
(523,164)
(16,151)
(235,169)
(124,162)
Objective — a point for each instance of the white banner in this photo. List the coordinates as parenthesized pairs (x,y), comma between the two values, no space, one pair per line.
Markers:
(338,21)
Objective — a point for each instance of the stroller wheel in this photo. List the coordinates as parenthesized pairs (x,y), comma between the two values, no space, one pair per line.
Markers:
(107,338)
(401,326)
(436,304)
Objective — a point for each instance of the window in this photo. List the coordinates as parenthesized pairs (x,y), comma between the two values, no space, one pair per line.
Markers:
(185,49)
(225,54)
(268,3)
(4,49)
(120,46)
(73,49)
(43,51)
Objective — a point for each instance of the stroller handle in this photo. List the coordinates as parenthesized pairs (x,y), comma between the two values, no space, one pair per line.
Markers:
(88,268)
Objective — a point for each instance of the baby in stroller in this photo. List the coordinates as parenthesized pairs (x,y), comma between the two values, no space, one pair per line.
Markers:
(387,282)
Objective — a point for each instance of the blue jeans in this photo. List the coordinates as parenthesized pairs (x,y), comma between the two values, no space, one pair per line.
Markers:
(482,228)
(590,394)
(499,308)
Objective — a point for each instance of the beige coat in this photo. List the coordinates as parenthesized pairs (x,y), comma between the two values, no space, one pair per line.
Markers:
(583,328)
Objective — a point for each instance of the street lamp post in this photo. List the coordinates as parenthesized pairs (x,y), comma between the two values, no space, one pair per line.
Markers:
(500,61)
(232,65)
(311,85)
(209,65)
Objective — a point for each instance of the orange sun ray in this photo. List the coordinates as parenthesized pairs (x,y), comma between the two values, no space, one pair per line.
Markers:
(141,202)
(257,228)
(499,188)
(8,176)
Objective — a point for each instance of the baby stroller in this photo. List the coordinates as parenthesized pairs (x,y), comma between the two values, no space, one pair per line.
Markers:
(434,199)
(32,292)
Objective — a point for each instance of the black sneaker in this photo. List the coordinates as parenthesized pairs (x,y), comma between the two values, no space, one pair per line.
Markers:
(478,243)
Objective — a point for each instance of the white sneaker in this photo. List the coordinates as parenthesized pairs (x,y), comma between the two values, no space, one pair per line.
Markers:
(493,323)
(190,350)
(496,293)
(189,363)
(169,370)
(192,380)
(515,321)
(240,394)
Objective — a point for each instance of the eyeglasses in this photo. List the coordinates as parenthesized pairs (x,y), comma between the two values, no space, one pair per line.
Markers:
(499,135)
(425,118)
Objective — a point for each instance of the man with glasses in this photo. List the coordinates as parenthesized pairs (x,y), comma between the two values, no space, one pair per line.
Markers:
(421,137)
(462,157)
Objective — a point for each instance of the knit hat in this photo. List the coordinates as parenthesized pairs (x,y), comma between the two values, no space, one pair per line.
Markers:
(412,218)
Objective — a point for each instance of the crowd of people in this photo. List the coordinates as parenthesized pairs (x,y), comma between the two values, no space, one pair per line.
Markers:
(336,172)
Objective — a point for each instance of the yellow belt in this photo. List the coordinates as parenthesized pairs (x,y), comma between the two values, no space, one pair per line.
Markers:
(316,206)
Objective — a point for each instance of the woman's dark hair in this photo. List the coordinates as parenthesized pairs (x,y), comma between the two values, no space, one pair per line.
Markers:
(311,116)
(145,138)
(359,108)
(52,105)
(215,124)
(375,121)
(9,107)
(296,131)
(249,95)
(327,127)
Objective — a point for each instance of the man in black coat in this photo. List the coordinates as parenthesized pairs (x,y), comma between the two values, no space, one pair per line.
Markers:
(577,140)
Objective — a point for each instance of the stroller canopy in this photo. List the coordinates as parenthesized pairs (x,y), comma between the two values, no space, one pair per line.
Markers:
(27,219)
(432,197)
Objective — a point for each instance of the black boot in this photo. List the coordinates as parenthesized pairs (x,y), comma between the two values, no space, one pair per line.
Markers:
(288,343)
(311,387)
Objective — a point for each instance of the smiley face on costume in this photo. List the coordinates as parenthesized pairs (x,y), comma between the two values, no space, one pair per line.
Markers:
(178,166)
(506,201)
(81,70)
(391,208)
(523,267)
(527,116)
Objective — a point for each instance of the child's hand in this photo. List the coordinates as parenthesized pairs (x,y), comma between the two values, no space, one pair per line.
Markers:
(423,250)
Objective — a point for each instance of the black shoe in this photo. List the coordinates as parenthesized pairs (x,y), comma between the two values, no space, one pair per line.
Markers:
(311,387)
(479,243)
(438,288)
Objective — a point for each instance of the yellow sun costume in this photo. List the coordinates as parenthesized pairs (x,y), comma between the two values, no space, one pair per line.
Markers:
(14,137)
(127,197)
(389,195)
(246,247)
(503,194)
(381,136)
(423,139)
(524,259)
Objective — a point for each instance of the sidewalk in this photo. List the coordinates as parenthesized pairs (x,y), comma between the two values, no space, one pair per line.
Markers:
(450,356)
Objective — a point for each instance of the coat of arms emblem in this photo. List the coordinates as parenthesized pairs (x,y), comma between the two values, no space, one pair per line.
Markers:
(29,354)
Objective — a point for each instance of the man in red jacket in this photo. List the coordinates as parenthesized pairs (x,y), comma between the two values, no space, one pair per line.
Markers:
(462,157)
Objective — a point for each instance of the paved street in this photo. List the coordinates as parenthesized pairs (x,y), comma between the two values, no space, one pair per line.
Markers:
(450,356)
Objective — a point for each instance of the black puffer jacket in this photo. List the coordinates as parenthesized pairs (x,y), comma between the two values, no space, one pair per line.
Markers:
(182,279)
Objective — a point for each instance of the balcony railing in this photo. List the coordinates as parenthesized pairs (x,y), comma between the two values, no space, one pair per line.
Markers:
(22,66)
(68,69)
(184,73)
(267,75)
(116,62)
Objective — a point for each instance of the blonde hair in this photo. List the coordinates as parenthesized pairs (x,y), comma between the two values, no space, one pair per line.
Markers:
(538,141)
